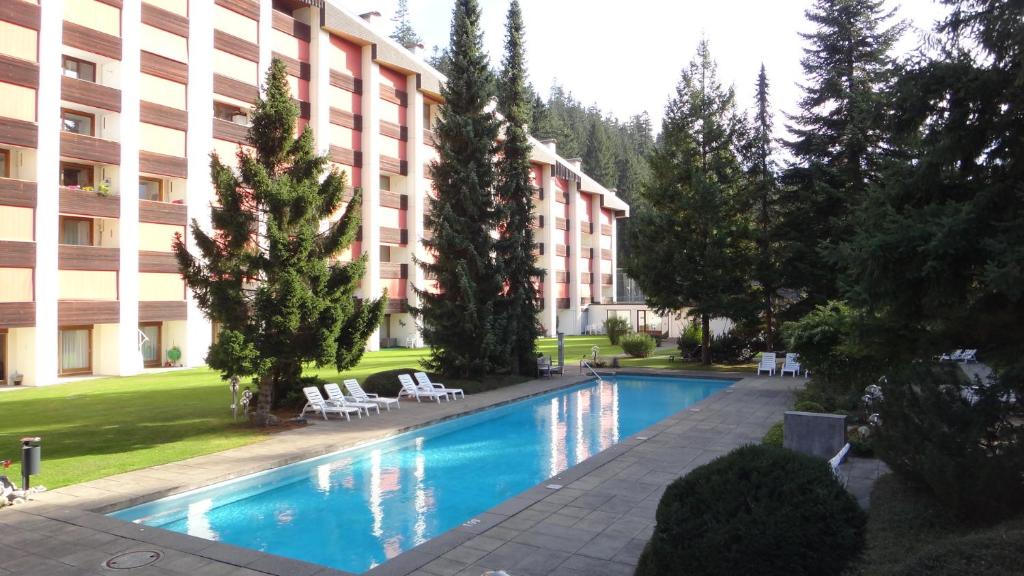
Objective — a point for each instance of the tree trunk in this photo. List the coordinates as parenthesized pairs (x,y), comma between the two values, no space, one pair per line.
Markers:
(262,416)
(705,348)
(769,316)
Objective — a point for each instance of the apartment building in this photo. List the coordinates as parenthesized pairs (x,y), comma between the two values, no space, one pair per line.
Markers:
(109,110)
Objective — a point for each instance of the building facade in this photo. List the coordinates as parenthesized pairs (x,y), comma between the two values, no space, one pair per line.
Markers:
(109,110)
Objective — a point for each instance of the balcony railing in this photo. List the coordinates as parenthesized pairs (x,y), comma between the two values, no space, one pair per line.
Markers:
(628,291)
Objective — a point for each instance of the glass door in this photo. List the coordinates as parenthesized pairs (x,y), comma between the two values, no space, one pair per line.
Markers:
(3,357)
(76,350)
(151,345)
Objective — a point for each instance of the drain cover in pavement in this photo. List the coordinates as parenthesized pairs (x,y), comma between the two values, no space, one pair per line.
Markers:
(130,560)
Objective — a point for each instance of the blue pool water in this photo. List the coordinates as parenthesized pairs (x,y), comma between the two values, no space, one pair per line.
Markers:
(356,509)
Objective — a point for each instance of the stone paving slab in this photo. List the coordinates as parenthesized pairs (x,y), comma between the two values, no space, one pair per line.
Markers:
(596,524)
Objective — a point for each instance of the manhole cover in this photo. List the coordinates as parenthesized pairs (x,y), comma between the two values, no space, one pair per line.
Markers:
(130,560)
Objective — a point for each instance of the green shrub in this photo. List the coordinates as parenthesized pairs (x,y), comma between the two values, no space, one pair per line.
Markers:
(995,553)
(638,345)
(808,406)
(773,437)
(910,532)
(971,456)
(862,441)
(729,347)
(386,383)
(616,327)
(690,340)
(827,341)
(757,510)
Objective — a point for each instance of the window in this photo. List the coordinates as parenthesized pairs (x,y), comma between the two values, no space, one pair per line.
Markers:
(427,120)
(151,189)
(81,69)
(624,314)
(76,175)
(385,253)
(385,183)
(230,112)
(385,333)
(3,354)
(78,122)
(150,345)
(75,231)
(5,163)
(75,350)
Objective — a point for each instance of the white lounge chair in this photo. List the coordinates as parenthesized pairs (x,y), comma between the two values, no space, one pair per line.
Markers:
(315,403)
(969,355)
(791,365)
(955,356)
(335,396)
(836,460)
(356,391)
(767,363)
(410,389)
(424,383)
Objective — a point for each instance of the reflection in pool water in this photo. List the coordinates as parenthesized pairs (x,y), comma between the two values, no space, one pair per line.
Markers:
(356,509)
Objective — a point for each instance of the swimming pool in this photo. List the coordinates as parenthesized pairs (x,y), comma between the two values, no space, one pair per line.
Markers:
(355,509)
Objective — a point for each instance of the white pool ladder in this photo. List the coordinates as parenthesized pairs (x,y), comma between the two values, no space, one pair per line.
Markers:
(584,363)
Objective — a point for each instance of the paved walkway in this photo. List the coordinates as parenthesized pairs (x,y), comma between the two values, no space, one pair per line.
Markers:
(596,523)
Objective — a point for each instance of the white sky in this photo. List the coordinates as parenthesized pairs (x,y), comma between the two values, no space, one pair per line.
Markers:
(626,57)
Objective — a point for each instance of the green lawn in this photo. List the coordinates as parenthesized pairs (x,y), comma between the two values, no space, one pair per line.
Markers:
(101,427)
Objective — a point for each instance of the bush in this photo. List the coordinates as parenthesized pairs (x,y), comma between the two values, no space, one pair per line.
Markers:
(909,533)
(690,340)
(827,342)
(971,456)
(808,406)
(757,510)
(773,437)
(997,553)
(638,345)
(386,383)
(616,327)
(727,347)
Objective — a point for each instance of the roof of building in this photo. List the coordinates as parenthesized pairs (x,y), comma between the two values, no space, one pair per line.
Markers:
(341,21)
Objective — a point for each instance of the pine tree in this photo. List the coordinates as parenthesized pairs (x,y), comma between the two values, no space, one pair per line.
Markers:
(688,233)
(264,273)
(599,157)
(403,32)
(514,249)
(764,201)
(459,321)
(839,142)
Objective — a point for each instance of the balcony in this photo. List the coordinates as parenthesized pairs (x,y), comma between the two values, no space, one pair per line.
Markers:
(101,258)
(394,271)
(74,200)
(90,94)
(89,148)
(21,193)
(163,213)
(15,254)
(396,306)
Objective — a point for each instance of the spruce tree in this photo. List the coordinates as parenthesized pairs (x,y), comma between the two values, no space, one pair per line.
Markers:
(264,274)
(939,247)
(599,156)
(839,141)
(514,249)
(459,321)
(763,192)
(403,32)
(688,234)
